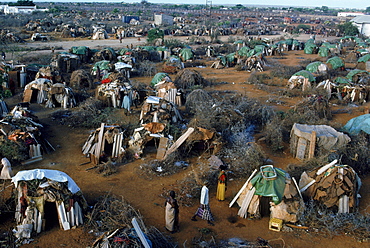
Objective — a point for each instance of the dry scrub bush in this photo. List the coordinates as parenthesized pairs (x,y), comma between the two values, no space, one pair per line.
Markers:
(296,170)
(146,69)
(331,224)
(89,114)
(273,134)
(240,152)
(356,153)
(283,71)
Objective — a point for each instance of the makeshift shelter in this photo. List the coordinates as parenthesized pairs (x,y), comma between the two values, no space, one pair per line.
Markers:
(100,34)
(301,78)
(169,92)
(335,63)
(334,185)
(36,192)
(43,91)
(269,192)
(156,109)
(310,48)
(124,69)
(116,94)
(67,63)
(187,78)
(105,142)
(105,54)
(357,124)
(357,75)
(317,67)
(102,68)
(81,79)
(160,76)
(186,54)
(22,129)
(306,141)
(83,52)
(323,51)
(361,62)
(172,65)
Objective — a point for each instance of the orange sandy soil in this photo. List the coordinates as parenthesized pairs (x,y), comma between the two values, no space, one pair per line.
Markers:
(145,195)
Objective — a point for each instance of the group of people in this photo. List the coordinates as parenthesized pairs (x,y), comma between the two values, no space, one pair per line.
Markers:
(203,211)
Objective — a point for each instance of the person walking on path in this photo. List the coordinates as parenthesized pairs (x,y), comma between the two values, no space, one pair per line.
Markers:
(204,211)
(3,56)
(172,213)
(221,186)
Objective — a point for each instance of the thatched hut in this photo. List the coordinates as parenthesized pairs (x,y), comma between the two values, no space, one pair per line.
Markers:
(187,78)
(81,79)
(196,98)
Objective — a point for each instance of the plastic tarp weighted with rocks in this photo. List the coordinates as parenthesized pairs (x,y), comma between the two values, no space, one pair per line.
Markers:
(316,67)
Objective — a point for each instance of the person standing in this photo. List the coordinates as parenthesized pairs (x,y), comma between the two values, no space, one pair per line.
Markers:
(3,55)
(6,171)
(172,213)
(221,186)
(204,211)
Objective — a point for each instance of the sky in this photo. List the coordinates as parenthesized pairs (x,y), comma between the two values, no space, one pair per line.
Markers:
(358,4)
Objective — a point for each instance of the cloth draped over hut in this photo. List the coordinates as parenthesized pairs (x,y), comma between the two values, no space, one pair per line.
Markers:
(308,140)
(100,34)
(360,123)
(333,185)
(302,79)
(159,77)
(270,191)
(107,140)
(169,92)
(35,189)
(116,94)
(335,63)
(43,91)
(317,67)
(186,54)
(65,62)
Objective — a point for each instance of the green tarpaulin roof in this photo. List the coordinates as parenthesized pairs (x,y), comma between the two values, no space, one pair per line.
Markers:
(364,58)
(243,51)
(335,62)
(357,124)
(270,187)
(305,74)
(323,51)
(103,65)
(123,51)
(158,77)
(186,54)
(313,67)
(355,72)
(341,80)
(309,47)
(80,50)
(230,57)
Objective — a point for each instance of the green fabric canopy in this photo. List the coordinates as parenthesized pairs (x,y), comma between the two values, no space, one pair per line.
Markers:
(270,182)
(323,51)
(335,62)
(158,77)
(342,81)
(103,65)
(186,54)
(364,58)
(243,51)
(309,48)
(79,50)
(355,72)
(313,67)
(357,124)
(305,74)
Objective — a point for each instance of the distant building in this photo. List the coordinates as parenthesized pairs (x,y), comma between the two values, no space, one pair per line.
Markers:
(19,9)
(350,14)
(127,19)
(363,24)
(163,19)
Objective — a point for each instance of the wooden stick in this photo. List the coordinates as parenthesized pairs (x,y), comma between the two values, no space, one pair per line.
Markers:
(241,190)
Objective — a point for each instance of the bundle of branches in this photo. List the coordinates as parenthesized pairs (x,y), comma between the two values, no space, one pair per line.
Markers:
(317,104)
(318,217)
(169,166)
(89,114)
(187,78)
(296,170)
(253,112)
(146,68)
(112,216)
(81,79)
(197,98)
(190,186)
(107,168)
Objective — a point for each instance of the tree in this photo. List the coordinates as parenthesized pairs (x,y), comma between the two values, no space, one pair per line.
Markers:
(348,29)
(154,34)
(324,9)
(367,9)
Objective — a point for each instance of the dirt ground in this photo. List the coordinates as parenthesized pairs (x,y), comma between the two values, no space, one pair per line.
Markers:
(145,195)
